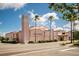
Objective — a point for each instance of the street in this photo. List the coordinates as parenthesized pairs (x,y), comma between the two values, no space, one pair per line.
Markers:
(38,49)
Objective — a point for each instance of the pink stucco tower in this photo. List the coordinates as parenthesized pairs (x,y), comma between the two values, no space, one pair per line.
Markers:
(25,29)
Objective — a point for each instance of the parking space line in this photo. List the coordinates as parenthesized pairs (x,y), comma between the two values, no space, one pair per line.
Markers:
(67,49)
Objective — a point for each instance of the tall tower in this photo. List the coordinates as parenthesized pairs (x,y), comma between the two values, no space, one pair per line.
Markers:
(25,29)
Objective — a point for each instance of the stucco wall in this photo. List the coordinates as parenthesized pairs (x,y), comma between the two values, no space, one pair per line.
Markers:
(40,35)
(11,35)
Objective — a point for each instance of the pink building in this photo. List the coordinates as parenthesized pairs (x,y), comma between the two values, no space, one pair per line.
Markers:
(12,36)
(42,33)
(19,36)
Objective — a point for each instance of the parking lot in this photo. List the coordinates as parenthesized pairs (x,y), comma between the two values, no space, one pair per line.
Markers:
(38,49)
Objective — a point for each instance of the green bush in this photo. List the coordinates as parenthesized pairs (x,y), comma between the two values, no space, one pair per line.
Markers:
(76,43)
(63,44)
(41,41)
(49,41)
(2,39)
(13,41)
(55,40)
(46,41)
(6,40)
(30,42)
(76,35)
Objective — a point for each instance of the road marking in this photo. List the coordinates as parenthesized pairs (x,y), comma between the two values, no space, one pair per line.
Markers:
(67,49)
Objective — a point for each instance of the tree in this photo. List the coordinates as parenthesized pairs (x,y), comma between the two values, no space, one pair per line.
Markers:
(51,18)
(7,39)
(36,18)
(67,11)
(76,35)
(2,39)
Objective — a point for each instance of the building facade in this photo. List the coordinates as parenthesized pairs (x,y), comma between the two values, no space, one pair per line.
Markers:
(39,33)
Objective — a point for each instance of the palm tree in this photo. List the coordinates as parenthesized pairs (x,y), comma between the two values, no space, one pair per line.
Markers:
(36,18)
(51,18)
(67,11)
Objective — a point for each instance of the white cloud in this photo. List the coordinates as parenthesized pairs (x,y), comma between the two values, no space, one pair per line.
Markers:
(58,28)
(32,15)
(0,23)
(67,27)
(53,25)
(77,27)
(77,22)
(20,16)
(44,17)
(2,34)
(11,5)
(47,15)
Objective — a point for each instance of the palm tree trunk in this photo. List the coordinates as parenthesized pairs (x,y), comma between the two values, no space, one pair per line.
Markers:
(44,35)
(50,31)
(71,31)
(35,32)
(53,34)
(29,35)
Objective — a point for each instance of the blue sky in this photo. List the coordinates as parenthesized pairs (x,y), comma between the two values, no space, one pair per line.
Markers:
(10,16)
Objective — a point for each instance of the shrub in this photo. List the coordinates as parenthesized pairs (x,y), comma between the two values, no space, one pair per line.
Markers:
(63,44)
(49,41)
(76,35)
(41,41)
(76,43)
(2,39)
(6,40)
(55,40)
(30,42)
